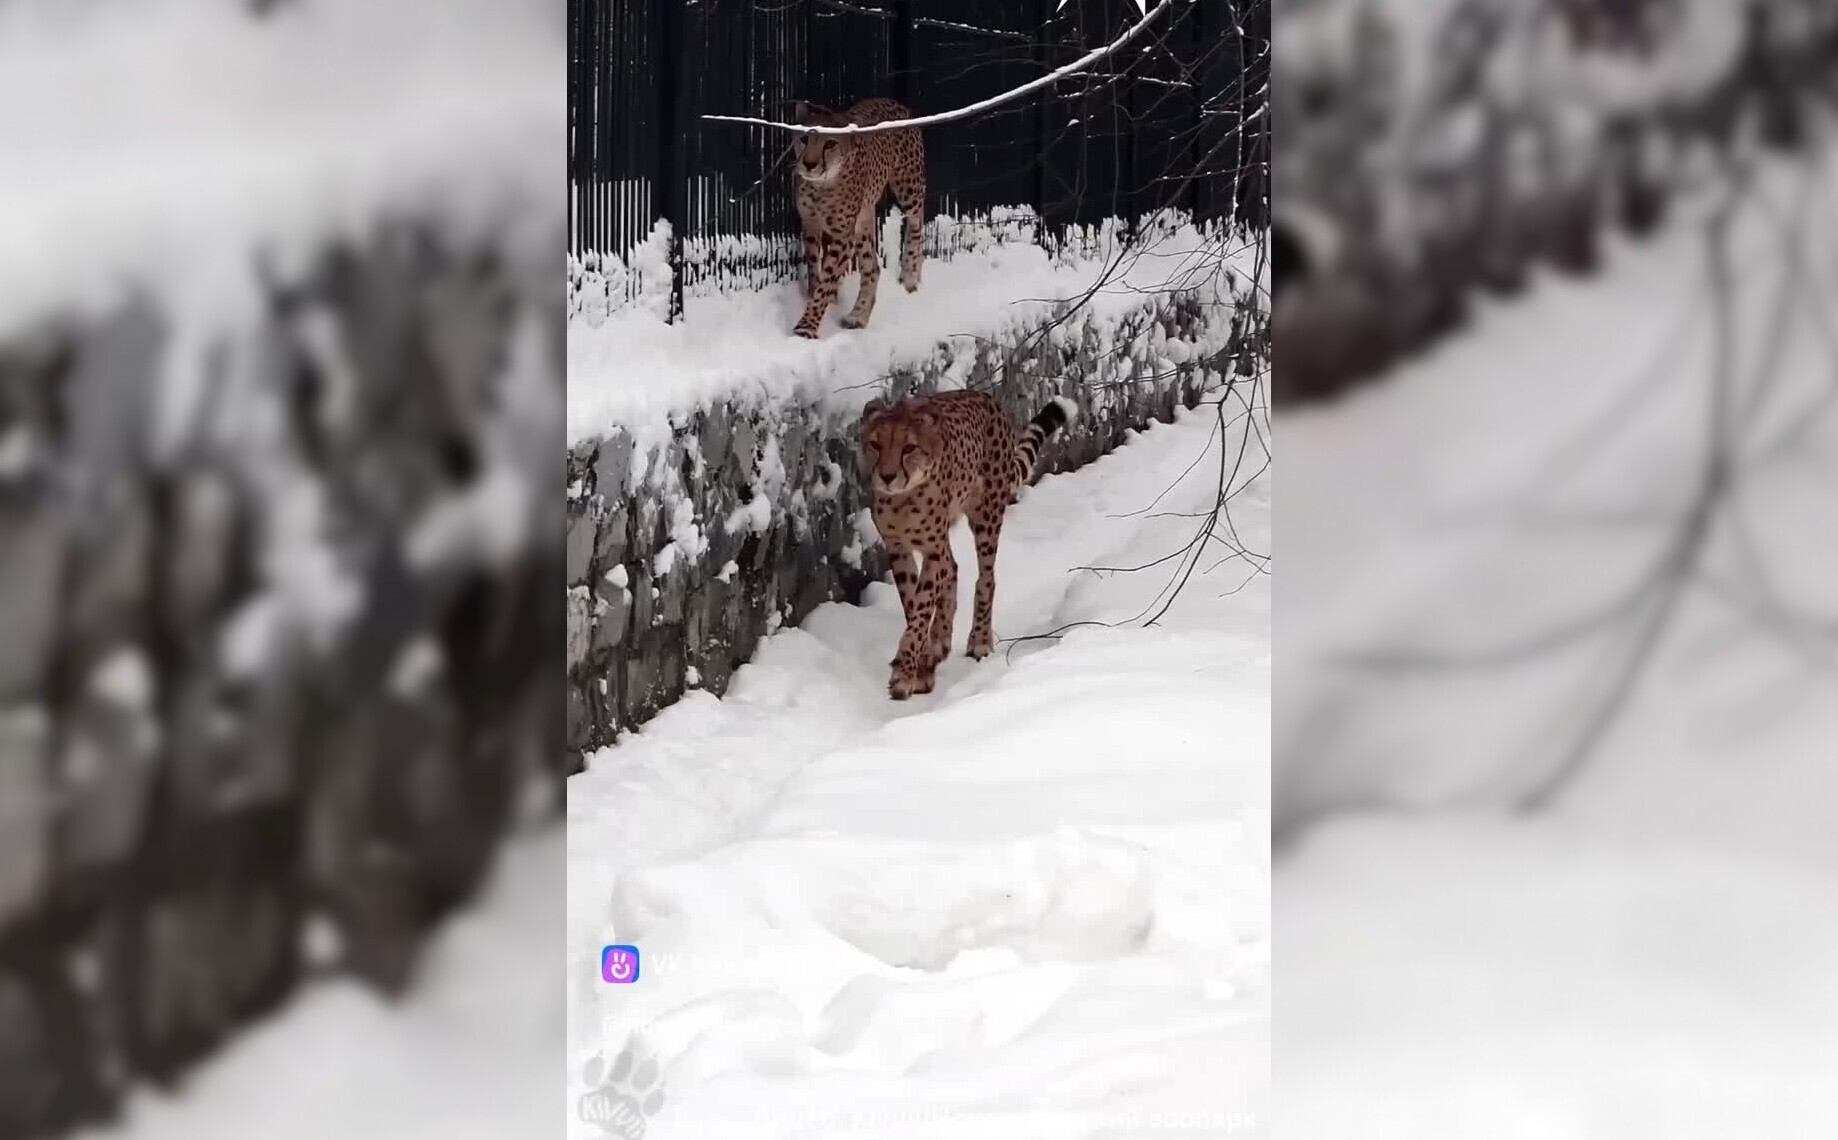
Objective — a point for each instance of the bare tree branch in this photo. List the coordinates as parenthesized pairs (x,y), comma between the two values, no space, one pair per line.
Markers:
(977,108)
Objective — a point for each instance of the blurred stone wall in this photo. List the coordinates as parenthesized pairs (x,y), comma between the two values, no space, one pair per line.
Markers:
(280,656)
(1414,178)
(777,507)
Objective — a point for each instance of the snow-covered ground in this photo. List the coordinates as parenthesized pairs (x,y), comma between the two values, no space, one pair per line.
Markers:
(470,1051)
(632,371)
(1656,954)
(1033,903)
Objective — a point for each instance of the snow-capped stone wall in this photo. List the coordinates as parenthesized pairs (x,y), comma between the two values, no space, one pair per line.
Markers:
(683,554)
(279,645)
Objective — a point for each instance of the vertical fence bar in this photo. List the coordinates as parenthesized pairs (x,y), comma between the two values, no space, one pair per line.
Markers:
(900,53)
(1208,47)
(813,74)
(668,174)
(1042,15)
(1132,154)
(574,101)
(587,128)
(583,123)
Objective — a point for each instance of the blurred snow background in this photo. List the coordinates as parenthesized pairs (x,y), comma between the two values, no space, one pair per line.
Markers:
(1554,773)
(280,707)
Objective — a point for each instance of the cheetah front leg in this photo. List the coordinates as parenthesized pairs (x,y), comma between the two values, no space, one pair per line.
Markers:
(812,254)
(944,609)
(823,291)
(911,673)
(868,264)
(986,528)
(911,198)
(907,581)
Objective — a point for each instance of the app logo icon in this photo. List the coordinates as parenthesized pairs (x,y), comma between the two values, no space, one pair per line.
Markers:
(619,964)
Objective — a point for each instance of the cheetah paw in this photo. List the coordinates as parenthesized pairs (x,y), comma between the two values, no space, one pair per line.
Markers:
(805,332)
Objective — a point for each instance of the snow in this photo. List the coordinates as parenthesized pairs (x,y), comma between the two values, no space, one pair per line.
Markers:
(161,147)
(470,1052)
(1034,902)
(124,679)
(19,452)
(635,372)
(686,540)
(416,667)
(1652,955)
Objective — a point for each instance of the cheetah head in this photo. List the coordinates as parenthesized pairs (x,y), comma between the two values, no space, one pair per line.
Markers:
(820,158)
(900,444)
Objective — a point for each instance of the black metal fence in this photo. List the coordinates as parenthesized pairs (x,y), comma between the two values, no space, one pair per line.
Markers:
(1173,120)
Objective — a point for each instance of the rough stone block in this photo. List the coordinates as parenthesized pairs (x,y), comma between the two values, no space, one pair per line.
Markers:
(580,545)
(106,765)
(580,625)
(26,807)
(28,1071)
(34,547)
(613,467)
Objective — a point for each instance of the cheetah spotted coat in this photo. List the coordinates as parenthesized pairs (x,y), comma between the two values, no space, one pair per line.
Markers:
(841,180)
(932,460)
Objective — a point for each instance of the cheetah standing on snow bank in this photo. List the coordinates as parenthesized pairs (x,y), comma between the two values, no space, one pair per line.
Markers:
(841,179)
(932,460)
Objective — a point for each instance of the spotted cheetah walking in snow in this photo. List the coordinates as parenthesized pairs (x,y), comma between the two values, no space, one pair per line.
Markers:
(841,179)
(932,460)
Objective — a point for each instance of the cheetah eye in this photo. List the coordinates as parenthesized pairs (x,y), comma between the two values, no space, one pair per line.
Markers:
(909,449)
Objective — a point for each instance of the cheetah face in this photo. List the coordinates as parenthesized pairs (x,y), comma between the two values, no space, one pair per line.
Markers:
(899,446)
(820,158)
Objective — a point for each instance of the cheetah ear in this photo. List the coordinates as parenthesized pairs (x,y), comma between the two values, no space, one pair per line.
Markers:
(874,410)
(804,111)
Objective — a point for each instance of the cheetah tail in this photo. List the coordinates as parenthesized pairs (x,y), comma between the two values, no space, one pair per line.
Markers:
(1057,413)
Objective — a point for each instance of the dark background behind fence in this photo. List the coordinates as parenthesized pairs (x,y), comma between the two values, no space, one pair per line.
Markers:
(1155,125)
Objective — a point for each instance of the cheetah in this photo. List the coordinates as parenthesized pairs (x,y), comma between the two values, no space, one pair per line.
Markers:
(932,460)
(841,181)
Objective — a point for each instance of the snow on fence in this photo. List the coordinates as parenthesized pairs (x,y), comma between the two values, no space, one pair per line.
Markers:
(601,285)
(706,511)
(1435,151)
(280,386)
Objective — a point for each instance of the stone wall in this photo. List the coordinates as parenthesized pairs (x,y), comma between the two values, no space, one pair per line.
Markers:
(1359,295)
(681,558)
(281,654)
